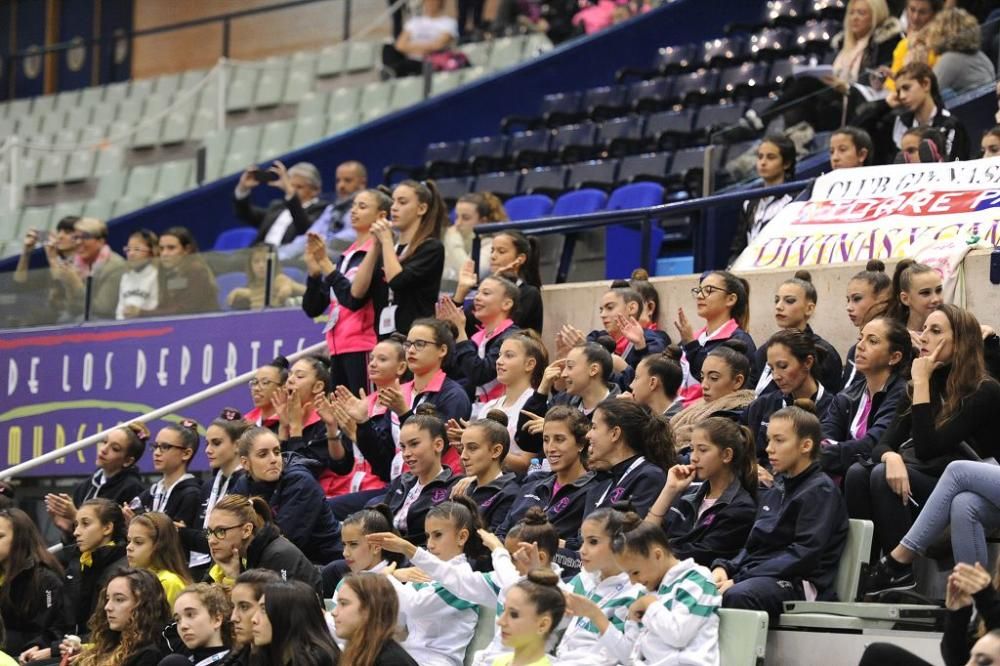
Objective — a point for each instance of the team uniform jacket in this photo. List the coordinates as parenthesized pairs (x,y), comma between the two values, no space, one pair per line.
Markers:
(475,362)
(721,531)
(351,325)
(300,509)
(36,617)
(799,534)
(193,536)
(842,447)
(582,644)
(636,480)
(831,370)
(439,623)
(682,626)
(434,493)
(183,500)
(697,350)
(564,508)
(269,550)
(495,499)
(758,413)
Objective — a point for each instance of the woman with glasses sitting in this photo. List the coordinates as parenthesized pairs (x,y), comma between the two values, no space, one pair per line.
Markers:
(242,535)
(723,301)
(139,288)
(266,380)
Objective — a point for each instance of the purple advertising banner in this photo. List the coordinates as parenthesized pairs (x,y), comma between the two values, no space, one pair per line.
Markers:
(61,385)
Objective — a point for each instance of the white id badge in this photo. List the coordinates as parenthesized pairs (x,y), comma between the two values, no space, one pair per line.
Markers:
(387,320)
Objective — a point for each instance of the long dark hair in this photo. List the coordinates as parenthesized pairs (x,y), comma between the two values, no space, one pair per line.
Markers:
(802,347)
(644,432)
(462,512)
(108,512)
(902,279)
(168,553)
(786,149)
(724,433)
(967,368)
(150,616)
(28,555)
(432,224)
(739,288)
(373,520)
(530,271)
(380,607)
(299,635)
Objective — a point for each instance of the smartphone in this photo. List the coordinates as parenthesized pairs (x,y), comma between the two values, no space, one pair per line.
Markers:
(264,176)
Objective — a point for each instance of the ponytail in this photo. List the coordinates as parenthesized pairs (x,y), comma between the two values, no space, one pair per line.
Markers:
(463,512)
(433,222)
(644,432)
(725,433)
(254,510)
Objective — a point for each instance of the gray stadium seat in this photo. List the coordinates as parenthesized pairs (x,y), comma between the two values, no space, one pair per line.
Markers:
(276,138)
(141,182)
(331,60)
(307,131)
(175,177)
(361,56)
(742,637)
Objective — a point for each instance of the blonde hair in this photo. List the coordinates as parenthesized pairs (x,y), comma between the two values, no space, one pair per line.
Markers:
(953,30)
(880,12)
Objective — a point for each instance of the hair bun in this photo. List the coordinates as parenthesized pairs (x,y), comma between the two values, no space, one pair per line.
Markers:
(640,274)
(735,345)
(805,276)
(384,189)
(875,266)
(230,414)
(139,430)
(620,284)
(535,516)
(280,362)
(545,577)
(607,342)
(805,404)
(497,415)
(397,337)
(190,424)
(383,509)
(426,409)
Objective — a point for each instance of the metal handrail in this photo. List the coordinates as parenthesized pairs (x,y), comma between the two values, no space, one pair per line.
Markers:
(572,224)
(149,416)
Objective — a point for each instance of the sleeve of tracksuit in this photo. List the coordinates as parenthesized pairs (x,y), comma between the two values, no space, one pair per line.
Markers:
(463,582)
(189,506)
(837,457)
(955,641)
(897,432)
(298,513)
(537,404)
(728,533)
(377,447)
(475,371)
(654,345)
(317,297)
(688,614)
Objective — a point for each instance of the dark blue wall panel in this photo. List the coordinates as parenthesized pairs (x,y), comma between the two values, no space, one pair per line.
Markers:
(76,22)
(115,54)
(6,37)
(31,19)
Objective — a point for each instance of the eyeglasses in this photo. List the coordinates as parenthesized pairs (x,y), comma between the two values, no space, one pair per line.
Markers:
(82,236)
(707,290)
(263,383)
(419,345)
(157,446)
(219,532)
(128,249)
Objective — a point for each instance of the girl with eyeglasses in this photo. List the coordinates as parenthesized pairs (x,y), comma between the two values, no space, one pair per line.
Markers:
(32,600)
(242,535)
(100,543)
(287,484)
(203,614)
(178,493)
(266,380)
(350,328)
(117,477)
(678,619)
(224,457)
(723,302)
(139,289)
(153,544)
(403,278)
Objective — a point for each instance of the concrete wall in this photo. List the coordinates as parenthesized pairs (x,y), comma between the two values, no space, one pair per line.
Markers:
(577,303)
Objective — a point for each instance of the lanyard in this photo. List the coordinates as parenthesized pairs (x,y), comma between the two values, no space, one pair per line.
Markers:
(160,498)
(214,658)
(638,461)
(219,489)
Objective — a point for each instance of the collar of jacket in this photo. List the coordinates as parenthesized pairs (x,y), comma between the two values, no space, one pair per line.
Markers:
(695,498)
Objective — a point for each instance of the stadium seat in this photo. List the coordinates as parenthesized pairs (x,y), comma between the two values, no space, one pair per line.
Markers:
(276,138)
(724,51)
(485,153)
(604,102)
(483,634)
(331,61)
(226,282)
(786,12)
(504,184)
(141,182)
(51,169)
(574,142)
(742,637)
(635,195)
(444,81)
(99,208)
(528,207)
(528,149)
(361,56)
(443,158)
(506,52)
(297,84)
(308,130)
(670,128)
(345,99)
(452,188)
(746,80)
(175,177)
(407,91)
(544,180)
(270,88)
(717,116)
(375,98)
(79,165)
(342,121)
(695,87)
(600,174)
(478,53)
(652,95)
(234,239)
(623,241)
(579,202)
(814,37)
(620,136)
(648,166)
(773,43)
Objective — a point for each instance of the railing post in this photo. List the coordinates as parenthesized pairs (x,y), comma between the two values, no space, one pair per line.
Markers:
(566,258)
(347,20)
(645,241)
(708,171)
(272,259)
(428,73)
(225,37)
(15,173)
(477,242)
(87,294)
(220,98)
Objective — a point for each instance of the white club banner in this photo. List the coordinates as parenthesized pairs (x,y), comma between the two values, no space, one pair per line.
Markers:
(882,212)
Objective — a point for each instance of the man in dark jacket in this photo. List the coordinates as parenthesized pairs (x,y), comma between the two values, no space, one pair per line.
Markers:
(278,224)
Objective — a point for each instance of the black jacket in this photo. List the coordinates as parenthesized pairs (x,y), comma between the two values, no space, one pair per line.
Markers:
(471,371)
(263,218)
(495,499)
(146,655)
(316,300)
(759,412)
(565,508)
(83,584)
(745,222)
(721,531)
(311,444)
(851,376)
(929,447)
(269,550)
(656,342)
(415,290)
(193,536)
(195,656)
(120,489)
(528,313)
(831,370)
(393,654)
(434,493)
(300,509)
(36,615)
(840,448)
(630,480)
(955,643)
(696,352)
(182,506)
(536,404)
(798,535)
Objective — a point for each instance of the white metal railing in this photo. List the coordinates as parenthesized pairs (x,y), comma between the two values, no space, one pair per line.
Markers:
(149,416)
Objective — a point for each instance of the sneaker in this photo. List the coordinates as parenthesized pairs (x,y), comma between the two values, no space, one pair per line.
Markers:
(884,577)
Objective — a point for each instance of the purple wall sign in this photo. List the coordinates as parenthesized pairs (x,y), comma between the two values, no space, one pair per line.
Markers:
(61,385)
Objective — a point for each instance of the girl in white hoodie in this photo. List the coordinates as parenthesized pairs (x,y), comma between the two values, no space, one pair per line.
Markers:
(678,619)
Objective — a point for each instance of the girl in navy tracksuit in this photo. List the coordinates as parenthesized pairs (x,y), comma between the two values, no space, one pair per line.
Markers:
(796,542)
(485,443)
(868,293)
(561,492)
(428,483)
(859,414)
(712,519)
(286,483)
(475,361)
(618,306)
(630,449)
(792,357)
(403,278)
(350,327)
(722,300)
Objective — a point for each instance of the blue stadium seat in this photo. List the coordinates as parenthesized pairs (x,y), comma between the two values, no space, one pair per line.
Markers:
(528,207)
(623,241)
(226,282)
(635,195)
(544,180)
(234,239)
(580,202)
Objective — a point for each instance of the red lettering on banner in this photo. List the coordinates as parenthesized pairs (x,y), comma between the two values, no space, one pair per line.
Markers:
(923,203)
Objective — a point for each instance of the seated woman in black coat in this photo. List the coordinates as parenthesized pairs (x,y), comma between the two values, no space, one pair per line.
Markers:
(710,519)
(365,615)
